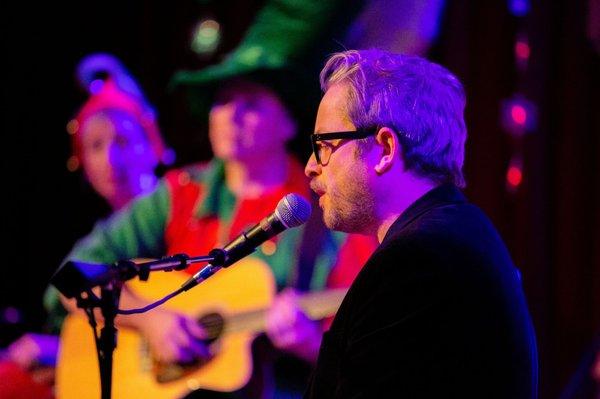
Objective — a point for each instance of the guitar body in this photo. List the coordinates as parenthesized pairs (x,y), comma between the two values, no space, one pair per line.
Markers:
(244,287)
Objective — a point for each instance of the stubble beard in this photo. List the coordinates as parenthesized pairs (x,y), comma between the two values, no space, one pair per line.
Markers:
(351,208)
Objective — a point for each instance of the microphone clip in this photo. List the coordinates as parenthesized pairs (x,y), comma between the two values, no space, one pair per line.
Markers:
(219,257)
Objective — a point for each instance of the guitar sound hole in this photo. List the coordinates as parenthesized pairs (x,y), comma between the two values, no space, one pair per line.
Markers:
(213,324)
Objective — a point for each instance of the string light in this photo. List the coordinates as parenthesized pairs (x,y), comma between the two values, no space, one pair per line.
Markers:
(522,50)
(518,114)
(514,174)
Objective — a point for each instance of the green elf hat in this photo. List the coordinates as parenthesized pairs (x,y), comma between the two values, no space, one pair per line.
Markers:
(293,85)
(277,51)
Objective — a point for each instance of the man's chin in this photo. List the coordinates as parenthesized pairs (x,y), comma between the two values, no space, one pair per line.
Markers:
(337,222)
(333,222)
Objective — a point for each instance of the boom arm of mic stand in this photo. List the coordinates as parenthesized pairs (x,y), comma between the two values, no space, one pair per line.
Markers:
(178,262)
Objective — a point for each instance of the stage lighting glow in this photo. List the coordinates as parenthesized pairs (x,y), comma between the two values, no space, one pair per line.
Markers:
(518,114)
(268,247)
(519,8)
(72,164)
(514,176)
(522,50)
(207,36)
(72,126)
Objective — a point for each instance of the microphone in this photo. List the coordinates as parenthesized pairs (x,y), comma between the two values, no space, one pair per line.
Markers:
(292,210)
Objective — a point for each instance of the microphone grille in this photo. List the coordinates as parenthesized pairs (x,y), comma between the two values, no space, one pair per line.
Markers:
(293,210)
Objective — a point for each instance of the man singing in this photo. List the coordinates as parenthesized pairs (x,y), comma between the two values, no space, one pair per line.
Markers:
(438,310)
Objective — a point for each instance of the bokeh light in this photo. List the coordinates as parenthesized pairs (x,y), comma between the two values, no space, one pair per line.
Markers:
(518,114)
(206,37)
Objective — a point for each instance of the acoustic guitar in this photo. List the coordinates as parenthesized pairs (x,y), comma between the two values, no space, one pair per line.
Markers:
(231,306)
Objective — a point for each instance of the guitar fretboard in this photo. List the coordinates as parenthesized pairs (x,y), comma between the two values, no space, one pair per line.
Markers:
(316,305)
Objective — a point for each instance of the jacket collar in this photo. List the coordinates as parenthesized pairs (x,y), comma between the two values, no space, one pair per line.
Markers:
(439,196)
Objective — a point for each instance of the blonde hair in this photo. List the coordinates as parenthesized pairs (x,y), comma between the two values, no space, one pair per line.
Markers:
(421,101)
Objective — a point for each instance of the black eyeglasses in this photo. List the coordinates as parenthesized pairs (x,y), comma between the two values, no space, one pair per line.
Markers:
(323,150)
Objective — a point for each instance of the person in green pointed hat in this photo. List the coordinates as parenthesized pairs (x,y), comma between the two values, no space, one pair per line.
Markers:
(283,50)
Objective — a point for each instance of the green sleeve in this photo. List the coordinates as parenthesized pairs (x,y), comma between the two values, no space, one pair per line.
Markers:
(137,231)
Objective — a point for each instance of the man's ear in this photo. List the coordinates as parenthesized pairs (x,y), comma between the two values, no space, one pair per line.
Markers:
(389,146)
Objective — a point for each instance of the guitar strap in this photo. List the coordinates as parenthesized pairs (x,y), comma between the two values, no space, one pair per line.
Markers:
(310,246)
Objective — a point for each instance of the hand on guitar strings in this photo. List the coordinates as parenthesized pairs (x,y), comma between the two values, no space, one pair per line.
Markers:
(173,337)
(291,330)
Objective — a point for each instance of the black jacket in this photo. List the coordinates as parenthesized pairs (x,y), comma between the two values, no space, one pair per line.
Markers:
(438,311)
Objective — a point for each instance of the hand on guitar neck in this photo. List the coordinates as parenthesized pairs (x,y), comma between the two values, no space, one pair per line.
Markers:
(290,329)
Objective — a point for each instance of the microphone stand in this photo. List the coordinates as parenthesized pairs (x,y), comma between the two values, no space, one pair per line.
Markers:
(108,302)
(75,280)
(106,343)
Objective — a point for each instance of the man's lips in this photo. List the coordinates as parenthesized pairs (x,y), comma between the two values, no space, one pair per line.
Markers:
(317,189)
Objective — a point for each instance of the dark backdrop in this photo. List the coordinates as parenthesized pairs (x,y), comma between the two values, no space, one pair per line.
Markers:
(551,224)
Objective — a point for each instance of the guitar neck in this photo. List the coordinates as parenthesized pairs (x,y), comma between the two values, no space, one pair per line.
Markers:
(316,305)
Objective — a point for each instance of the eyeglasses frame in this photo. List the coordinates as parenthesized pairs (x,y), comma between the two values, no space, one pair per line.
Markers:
(352,134)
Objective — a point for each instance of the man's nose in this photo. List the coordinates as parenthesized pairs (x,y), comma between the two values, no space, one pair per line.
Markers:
(312,168)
